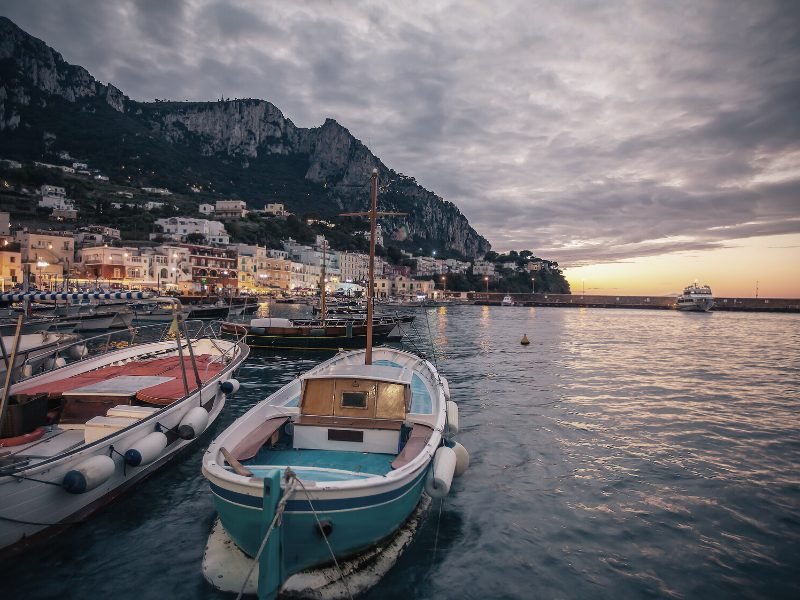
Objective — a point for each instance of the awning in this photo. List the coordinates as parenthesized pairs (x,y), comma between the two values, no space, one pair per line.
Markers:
(39,296)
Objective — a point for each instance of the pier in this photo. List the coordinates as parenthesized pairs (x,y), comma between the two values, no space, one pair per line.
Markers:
(783,305)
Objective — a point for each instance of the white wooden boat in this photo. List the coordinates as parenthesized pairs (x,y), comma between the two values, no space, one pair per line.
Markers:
(336,460)
(95,427)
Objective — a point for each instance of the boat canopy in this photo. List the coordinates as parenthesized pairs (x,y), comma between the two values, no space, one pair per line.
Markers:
(374,372)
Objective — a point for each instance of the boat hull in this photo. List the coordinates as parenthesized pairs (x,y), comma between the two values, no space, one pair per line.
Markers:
(33,500)
(696,305)
(359,520)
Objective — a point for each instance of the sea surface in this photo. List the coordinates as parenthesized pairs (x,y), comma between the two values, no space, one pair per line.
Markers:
(622,454)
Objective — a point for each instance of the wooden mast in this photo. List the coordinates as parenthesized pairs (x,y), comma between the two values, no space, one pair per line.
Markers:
(322,283)
(373,215)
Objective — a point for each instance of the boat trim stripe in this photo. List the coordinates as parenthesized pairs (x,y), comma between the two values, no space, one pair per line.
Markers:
(319,505)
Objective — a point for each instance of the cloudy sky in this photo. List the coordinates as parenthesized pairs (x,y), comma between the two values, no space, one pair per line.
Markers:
(599,133)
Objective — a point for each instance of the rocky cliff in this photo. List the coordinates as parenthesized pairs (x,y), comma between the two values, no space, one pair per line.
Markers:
(245,148)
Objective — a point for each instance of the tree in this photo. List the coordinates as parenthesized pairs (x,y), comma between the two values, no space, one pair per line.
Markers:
(196,238)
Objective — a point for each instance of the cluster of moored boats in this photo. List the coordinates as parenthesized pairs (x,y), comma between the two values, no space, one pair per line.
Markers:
(332,464)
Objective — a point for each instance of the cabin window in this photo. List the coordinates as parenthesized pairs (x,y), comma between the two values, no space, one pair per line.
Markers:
(354,399)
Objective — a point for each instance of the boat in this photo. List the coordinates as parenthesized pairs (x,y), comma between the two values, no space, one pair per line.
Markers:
(314,334)
(696,298)
(507,301)
(76,437)
(36,351)
(335,461)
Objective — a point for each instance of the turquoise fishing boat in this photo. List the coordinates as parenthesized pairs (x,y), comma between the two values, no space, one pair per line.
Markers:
(335,461)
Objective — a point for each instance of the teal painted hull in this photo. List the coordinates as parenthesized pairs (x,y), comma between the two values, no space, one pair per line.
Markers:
(353,529)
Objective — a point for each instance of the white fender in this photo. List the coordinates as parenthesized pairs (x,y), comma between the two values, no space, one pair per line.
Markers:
(231,386)
(445,387)
(440,477)
(146,450)
(78,351)
(193,423)
(27,370)
(452,417)
(462,459)
(89,474)
(60,362)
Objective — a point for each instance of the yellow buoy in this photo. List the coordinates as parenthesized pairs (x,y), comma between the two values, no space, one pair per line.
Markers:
(525,341)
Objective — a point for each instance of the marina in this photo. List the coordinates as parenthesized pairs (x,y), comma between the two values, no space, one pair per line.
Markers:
(622,459)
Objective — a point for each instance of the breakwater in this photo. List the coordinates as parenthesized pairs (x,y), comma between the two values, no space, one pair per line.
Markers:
(642,302)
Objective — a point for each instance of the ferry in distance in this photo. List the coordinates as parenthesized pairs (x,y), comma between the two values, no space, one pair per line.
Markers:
(696,298)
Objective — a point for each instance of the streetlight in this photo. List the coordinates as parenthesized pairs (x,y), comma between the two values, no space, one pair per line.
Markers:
(486,279)
(533,285)
(444,285)
(41,264)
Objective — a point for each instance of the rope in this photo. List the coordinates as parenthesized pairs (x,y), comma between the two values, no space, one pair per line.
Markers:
(278,514)
(438,522)
(327,543)
(34,480)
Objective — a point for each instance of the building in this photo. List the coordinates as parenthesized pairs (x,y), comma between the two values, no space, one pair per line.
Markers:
(10,265)
(178,228)
(403,287)
(230,209)
(96,235)
(53,196)
(159,191)
(170,268)
(206,209)
(64,214)
(214,270)
(456,266)
(5,224)
(484,268)
(48,255)
(148,206)
(353,267)
(107,265)
(275,210)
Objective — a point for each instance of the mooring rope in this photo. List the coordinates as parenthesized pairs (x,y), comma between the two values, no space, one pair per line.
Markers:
(438,522)
(278,514)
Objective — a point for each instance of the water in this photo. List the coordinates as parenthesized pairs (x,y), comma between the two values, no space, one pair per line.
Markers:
(623,454)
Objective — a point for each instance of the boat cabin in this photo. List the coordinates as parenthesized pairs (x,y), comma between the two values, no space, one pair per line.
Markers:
(360,408)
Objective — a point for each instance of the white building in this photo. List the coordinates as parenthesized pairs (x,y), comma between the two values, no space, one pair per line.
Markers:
(53,196)
(230,209)
(206,209)
(353,266)
(483,267)
(159,191)
(177,228)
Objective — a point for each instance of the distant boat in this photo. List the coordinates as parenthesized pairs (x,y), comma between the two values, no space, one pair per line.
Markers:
(507,301)
(696,298)
(314,334)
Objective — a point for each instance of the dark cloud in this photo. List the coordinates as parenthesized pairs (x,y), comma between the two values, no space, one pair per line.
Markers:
(584,130)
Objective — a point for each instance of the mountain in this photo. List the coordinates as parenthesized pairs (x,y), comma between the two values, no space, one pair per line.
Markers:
(242,148)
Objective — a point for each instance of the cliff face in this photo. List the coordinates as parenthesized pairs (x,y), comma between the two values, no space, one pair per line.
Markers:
(247,141)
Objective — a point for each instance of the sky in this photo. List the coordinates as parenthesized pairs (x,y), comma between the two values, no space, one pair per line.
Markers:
(641,144)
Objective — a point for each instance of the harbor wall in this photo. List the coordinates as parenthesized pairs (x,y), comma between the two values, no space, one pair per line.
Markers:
(643,302)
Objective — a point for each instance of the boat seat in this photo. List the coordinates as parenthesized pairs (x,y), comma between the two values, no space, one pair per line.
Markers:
(348,422)
(248,447)
(420,434)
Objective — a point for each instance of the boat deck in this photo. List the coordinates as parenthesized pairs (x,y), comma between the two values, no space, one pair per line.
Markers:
(322,465)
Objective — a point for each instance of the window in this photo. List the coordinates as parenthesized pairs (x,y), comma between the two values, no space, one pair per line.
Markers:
(354,399)
(12,259)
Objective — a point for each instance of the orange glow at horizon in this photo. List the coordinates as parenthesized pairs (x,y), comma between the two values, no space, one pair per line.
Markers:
(772,263)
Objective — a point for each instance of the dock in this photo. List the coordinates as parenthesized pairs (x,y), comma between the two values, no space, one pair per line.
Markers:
(778,305)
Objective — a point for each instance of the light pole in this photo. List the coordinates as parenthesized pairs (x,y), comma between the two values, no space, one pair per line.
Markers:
(444,286)
(486,279)
(533,285)
(41,264)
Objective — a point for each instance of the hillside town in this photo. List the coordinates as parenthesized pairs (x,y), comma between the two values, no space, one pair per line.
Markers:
(195,255)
